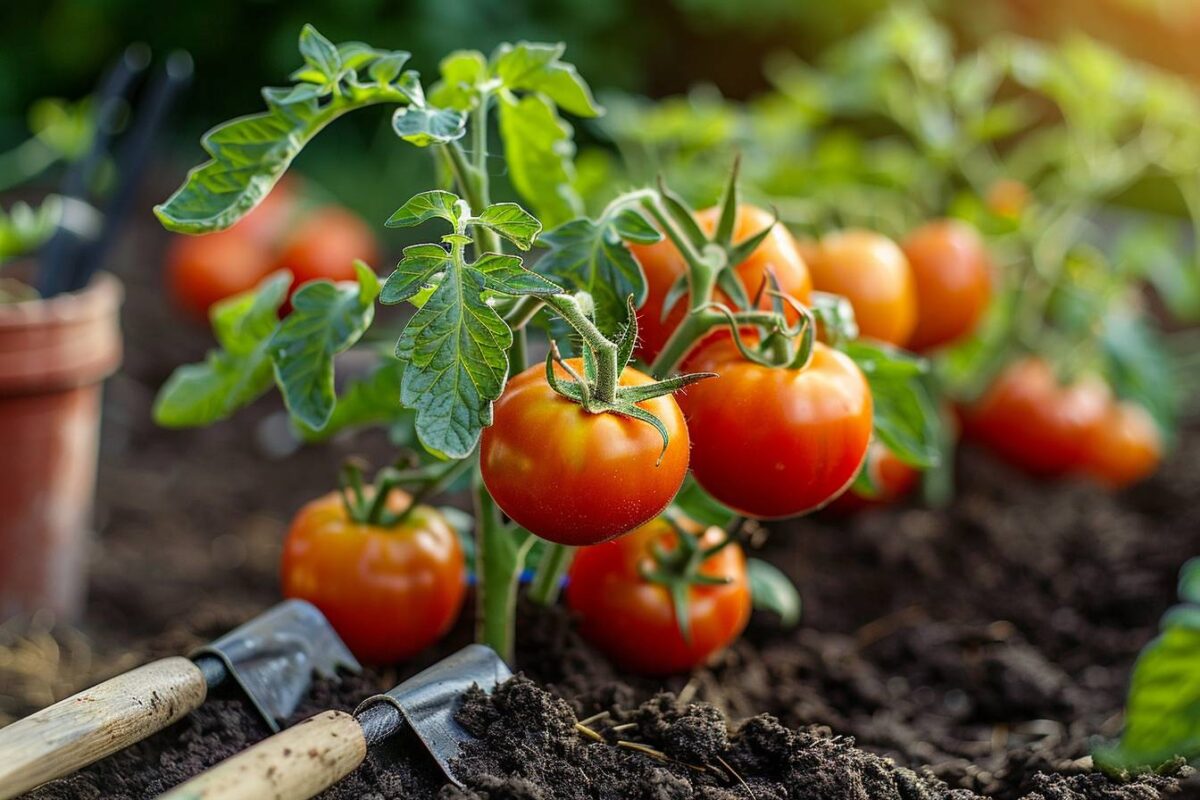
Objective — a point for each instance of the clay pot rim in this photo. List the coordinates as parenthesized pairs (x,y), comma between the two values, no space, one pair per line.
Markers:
(100,297)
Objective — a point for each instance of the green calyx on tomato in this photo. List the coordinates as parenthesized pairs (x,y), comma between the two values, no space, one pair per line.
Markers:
(678,569)
(374,505)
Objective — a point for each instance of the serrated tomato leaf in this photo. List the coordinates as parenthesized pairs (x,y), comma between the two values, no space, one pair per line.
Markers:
(436,204)
(371,400)
(771,590)
(326,319)
(505,274)
(421,262)
(540,154)
(235,374)
(320,53)
(512,222)
(591,256)
(535,67)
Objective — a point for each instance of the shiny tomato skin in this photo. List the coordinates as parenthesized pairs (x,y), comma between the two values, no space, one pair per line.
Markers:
(893,479)
(775,442)
(574,477)
(325,244)
(949,263)
(389,593)
(203,270)
(870,271)
(633,621)
(1032,421)
(1123,447)
(663,264)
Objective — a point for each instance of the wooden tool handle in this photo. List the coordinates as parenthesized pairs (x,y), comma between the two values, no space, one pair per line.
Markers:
(88,726)
(298,763)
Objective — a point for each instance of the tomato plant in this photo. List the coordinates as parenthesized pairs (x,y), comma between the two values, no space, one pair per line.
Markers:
(573,476)
(869,270)
(949,264)
(581,449)
(389,575)
(662,599)
(777,441)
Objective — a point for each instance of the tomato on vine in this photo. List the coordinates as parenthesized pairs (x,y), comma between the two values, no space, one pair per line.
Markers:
(661,599)
(390,579)
(891,478)
(776,441)
(663,265)
(949,264)
(576,477)
(870,271)
(1035,422)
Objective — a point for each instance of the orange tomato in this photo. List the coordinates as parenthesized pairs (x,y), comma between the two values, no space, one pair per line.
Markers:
(662,264)
(325,245)
(870,271)
(1122,447)
(950,270)
(388,592)
(203,270)
(893,481)
(1007,198)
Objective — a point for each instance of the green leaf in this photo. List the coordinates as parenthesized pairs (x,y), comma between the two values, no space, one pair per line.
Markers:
(421,262)
(1140,367)
(771,590)
(533,67)
(540,153)
(436,204)
(699,505)
(592,257)
(426,125)
(249,154)
(326,319)
(386,67)
(905,417)
(512,222)
(236,374)
(456,349)
(505,274)
(320,53)
(462,72)
(373,400)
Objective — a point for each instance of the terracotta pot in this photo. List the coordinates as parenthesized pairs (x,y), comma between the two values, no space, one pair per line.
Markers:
(54,354)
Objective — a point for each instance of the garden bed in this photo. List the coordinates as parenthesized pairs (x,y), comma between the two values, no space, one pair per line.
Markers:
(978,649)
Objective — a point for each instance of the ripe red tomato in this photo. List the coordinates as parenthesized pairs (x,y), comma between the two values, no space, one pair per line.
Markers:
(893,481)
(1034,422)
(870,271)
(325,245)
(388,592)
(574,477)
(202,270)
(632,620)
(775,442)
(1122,447)
(949,264)
(663,265)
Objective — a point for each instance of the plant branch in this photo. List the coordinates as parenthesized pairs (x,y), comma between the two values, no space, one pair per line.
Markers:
(547,583)
(608,371)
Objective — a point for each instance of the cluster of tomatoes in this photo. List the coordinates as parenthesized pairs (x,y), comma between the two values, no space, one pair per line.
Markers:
(767,441)
(283,232)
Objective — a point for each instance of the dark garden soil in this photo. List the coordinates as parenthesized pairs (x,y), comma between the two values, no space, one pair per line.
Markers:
(975,651)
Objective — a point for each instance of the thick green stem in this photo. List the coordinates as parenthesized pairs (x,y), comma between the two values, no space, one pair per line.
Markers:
(522,312)
(548,581)
(518,353)
(499,559)
(608,371)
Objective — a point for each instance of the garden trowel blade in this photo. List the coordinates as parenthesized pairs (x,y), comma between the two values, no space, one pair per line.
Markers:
(273,657)
(429,699)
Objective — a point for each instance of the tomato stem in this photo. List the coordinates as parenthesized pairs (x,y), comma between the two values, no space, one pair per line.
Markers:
(608,371)
(499,559)
(547,582)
